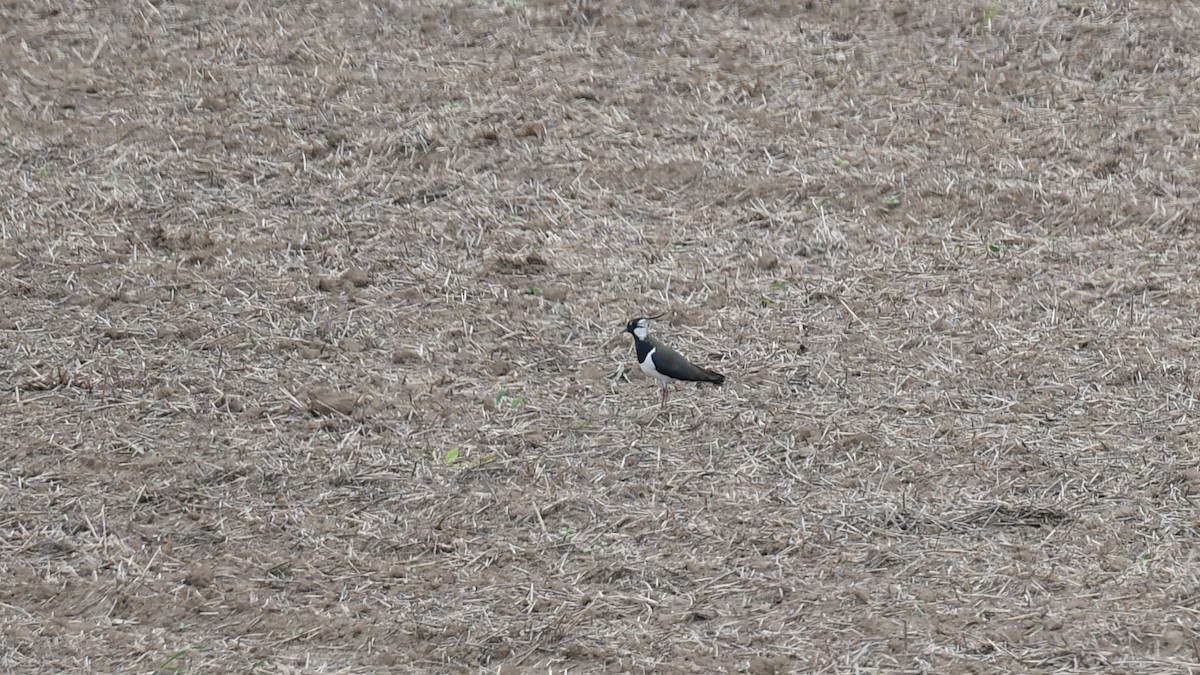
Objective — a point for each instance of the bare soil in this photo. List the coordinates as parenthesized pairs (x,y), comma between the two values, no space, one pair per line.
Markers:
(310,321)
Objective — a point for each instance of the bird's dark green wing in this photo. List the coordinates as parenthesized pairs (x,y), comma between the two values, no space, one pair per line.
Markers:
(672,364)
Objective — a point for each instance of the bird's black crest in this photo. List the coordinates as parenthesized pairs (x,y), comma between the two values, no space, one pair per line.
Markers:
(633,323)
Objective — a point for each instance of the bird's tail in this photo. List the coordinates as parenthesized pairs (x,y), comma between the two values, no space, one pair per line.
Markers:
(713,376)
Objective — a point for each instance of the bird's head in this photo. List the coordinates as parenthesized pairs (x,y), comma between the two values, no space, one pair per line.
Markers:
(640,327)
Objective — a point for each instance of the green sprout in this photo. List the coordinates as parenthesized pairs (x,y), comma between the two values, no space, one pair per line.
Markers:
(175,662)
(514,400)
(453,459)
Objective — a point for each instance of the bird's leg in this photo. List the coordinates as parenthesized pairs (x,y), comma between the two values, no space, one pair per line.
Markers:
(664,400)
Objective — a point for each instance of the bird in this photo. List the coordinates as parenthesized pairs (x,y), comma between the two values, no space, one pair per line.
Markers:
(663,363)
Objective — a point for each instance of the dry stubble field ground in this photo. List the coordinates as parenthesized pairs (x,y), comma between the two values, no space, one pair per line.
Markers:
(308,324)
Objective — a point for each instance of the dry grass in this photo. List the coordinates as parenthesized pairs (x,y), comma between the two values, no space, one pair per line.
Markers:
(266,264)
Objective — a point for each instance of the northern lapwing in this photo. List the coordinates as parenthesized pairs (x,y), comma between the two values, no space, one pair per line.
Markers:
(663,363)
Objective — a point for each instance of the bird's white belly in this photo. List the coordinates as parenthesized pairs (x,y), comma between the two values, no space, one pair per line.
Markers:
(648,368)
